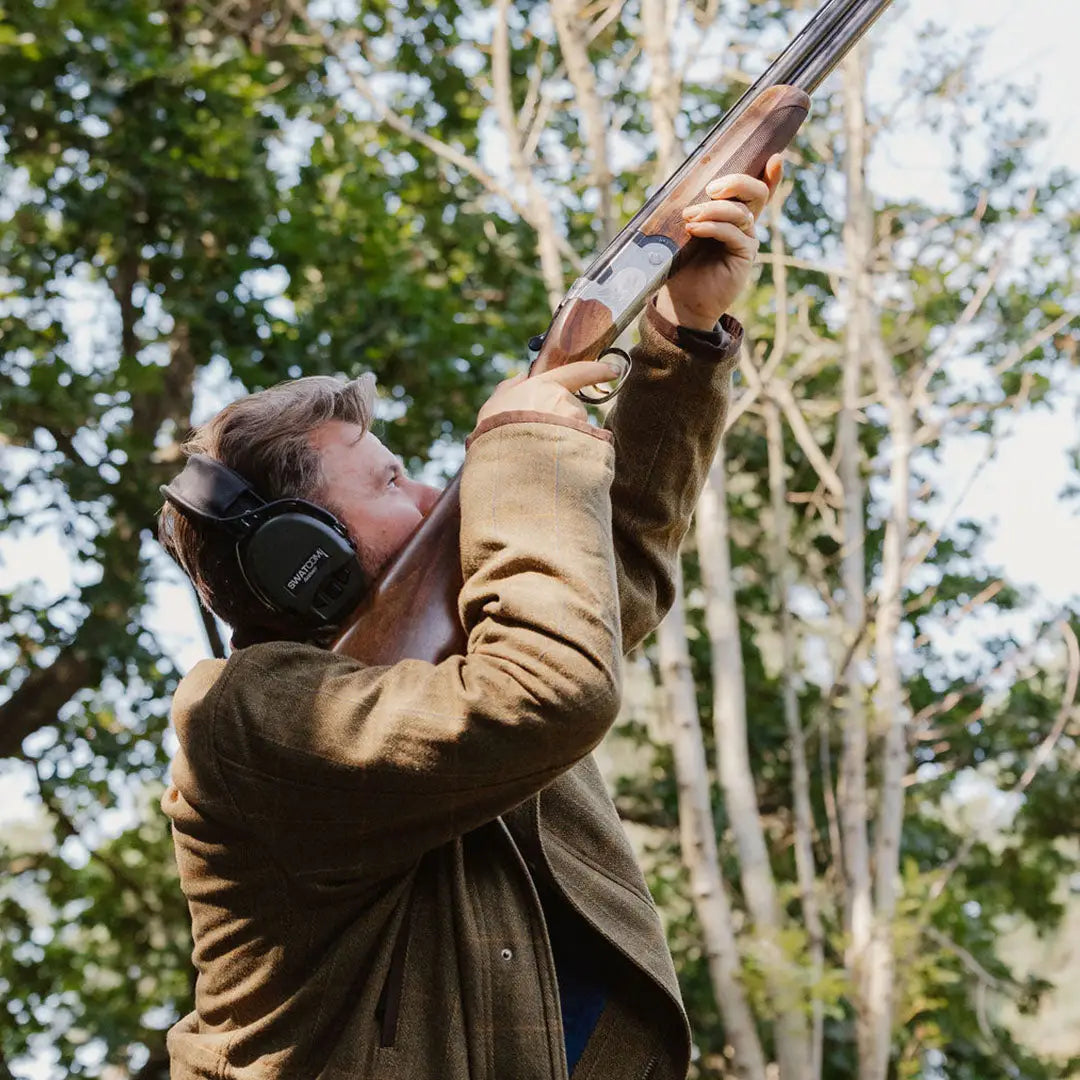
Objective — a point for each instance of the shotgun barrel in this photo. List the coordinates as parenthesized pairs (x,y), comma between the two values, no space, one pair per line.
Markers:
(411,610)
(815,51)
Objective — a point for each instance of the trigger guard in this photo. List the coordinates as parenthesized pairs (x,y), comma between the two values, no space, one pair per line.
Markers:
(599,399)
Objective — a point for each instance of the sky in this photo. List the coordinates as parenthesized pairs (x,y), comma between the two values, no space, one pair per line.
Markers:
(1033,536)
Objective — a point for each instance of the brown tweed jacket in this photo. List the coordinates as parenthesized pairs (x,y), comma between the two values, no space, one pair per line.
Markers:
(363,849)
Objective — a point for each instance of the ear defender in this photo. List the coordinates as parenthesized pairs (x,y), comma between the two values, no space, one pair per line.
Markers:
(296,557)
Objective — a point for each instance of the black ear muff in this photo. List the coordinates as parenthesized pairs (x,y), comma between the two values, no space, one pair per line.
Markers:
(300,560)
(296,557)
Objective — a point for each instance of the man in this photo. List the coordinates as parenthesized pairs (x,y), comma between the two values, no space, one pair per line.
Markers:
(414,871)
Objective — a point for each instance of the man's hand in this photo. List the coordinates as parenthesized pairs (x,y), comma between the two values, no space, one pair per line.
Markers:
(551,391)
(701,292)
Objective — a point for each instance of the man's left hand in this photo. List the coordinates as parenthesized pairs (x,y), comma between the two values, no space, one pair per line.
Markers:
(700,293)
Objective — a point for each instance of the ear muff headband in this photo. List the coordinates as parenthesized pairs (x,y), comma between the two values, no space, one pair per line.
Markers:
(295,557)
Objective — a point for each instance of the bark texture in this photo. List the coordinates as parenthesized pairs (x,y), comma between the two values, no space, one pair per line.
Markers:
(853,804)
(698,839)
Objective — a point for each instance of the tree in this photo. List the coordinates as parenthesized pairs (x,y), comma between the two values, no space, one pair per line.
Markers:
(149,149)
(245,192)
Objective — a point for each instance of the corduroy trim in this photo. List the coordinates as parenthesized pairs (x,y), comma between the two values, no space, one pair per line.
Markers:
(526,416)
(720,343)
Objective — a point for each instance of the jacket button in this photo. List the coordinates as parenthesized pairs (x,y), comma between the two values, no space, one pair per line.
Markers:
(507,954)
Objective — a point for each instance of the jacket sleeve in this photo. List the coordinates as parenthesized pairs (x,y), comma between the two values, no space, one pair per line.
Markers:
(667,422)
(391,761)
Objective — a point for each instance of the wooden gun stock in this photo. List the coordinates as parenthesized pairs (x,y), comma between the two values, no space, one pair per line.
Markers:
(411,610)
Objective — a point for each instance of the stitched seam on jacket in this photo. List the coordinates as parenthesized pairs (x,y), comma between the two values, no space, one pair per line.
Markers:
(600,869)
(687,372)
(486,978)
(670,415)
(531,416)
(216,756)
(646,485)
(538,944)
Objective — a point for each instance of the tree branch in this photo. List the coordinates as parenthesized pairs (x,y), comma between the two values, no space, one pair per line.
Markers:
(568,27)
(43,692)
(781,392)
(1040,337)
(68,827)
(332,41)
(538,208)
(1042,754)
(1038,759)
(974,306)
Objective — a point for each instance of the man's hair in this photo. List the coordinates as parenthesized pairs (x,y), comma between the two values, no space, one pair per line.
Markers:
(266,438)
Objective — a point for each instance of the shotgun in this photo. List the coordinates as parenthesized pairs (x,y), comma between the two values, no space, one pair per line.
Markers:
(411,610)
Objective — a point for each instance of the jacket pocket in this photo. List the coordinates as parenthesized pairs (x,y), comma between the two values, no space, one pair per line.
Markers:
(388,1007)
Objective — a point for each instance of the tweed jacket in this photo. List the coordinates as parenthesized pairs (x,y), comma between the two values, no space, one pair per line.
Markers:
(364,849)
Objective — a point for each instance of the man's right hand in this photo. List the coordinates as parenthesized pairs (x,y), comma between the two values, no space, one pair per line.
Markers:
(551,391)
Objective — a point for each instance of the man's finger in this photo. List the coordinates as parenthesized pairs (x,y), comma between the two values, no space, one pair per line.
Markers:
(755,193)
(731,236)
(577,376)
(729,210)
(774,173)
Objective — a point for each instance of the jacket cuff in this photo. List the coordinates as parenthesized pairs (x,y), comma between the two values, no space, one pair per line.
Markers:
(720,343)
(525,416)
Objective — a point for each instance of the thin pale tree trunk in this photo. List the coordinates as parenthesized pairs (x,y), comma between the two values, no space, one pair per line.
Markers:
(729,715)
(538,207)
(737,778)
(570,27)
(759,888)
(877,961)
(783,578)
(854,809)
(891,713)
(663,83)
(805,871)
(698,839)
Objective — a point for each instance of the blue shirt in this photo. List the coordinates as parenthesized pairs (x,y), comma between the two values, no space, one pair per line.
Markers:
(580,973)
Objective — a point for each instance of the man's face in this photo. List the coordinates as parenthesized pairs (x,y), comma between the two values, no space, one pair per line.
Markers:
(369,491)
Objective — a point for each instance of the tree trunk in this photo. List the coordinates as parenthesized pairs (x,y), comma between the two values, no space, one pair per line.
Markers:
(854,811)
(663,84)
(568,26)
(42,693)
(698,838)
(800,773)
(737,777)
(538,207)
(891,712)
(758,886)
(729,706)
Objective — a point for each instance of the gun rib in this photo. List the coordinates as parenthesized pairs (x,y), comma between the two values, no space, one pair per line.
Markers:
(855,24)
(811,55)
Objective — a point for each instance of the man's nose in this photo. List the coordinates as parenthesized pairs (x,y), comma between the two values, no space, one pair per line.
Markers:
(429,496)
(425,496)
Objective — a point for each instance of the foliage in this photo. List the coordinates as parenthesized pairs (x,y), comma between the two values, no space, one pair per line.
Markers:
(200,203)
